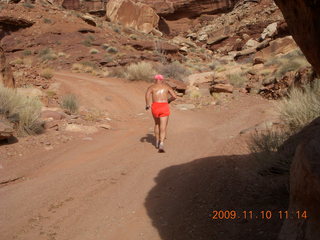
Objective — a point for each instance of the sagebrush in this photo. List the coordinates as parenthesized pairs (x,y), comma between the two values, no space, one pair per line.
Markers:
(140,71)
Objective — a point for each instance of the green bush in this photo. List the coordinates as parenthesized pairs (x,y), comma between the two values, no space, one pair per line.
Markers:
(140,71)
(70,103)
(26,109)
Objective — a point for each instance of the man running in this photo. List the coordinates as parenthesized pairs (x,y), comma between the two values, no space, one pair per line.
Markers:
(160,108)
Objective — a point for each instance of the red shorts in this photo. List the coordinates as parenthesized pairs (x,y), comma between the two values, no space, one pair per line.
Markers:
(160,109)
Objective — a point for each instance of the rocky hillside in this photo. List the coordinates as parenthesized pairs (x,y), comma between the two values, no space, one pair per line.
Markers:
(233,42)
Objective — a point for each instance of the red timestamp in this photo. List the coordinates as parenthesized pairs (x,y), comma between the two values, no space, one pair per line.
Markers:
(260,215)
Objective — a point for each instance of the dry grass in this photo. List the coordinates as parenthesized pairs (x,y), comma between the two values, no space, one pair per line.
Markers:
(47,73)
(301,107)
(70,103)
(140,71)
(26,110)
(174,70)
(237,80)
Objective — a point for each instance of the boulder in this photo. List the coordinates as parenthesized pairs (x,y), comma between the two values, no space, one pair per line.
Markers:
(199,78)
(6,131)
(136,15)
(269,31)
(177,9)
(141,45)
(6,76)
(302,17)
(54,115)
(251,43)
(221,88)
(216,39)
(304,185)
(177,85)
(71,4)
(89,19)
(278,46)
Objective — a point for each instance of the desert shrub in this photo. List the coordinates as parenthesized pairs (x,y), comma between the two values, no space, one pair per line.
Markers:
(28,5)
(264,145)
(27,53)
(112,50)
(140,71)
(296,111)
(61,54)
(17,61)
(267,141)
(301,106)
(237,80)
(174,70)
(26,109)
(77,67)
(87,43)
(47,21)
(117,72)
(288,67)
(94,51)
(105,46)
(133,36)
(70,103)
(47,73)
(47,54)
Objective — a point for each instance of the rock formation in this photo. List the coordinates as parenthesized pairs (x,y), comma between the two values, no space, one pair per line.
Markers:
(304,185)
(175,9)
(302,17)
(136,15)
(6,76)
(71,4)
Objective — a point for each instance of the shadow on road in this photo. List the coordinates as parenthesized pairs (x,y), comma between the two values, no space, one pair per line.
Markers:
(149,138)
(182,202)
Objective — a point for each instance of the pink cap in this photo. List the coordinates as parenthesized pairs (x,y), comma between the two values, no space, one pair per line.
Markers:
(158,77)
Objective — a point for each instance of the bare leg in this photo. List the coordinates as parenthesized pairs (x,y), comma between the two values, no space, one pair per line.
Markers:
(163,128)
(157,130)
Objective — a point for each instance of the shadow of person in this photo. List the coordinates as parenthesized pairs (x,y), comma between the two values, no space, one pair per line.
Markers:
(182,202)
(149,138)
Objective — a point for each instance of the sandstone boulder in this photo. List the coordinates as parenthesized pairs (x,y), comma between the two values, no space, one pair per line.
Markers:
(278,46)
(6,76)
(176,9)
(6,131)
(302,17)
(304,185)
(269,31)
(136,15)
(221,88)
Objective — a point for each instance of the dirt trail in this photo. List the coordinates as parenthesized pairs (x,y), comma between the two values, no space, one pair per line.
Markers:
(118,187)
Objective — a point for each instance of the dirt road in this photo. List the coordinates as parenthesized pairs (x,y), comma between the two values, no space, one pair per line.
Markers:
(117,187)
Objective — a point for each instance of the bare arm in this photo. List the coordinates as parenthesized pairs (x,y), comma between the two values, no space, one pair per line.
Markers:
(172,93)
(148,98)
